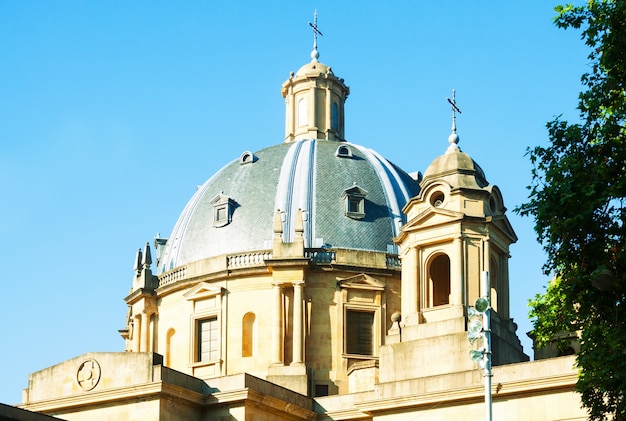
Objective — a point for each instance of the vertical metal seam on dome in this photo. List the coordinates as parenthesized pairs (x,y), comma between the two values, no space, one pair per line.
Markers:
(304,181)
(295,185)
(301,194)
(308,242)
(284,189)
(391,182)
(285,185)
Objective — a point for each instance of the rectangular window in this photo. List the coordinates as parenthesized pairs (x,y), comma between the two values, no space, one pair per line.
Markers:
(355,207)
(359,332)
(220,214)
(354,204)
(208,340)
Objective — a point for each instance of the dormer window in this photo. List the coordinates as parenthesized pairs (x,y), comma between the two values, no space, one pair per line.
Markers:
(354,198)
(247,158)
(343,151)
(223,207)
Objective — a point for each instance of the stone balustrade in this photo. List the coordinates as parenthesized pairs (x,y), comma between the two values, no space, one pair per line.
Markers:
(248,259)
(172,276)
(258,258)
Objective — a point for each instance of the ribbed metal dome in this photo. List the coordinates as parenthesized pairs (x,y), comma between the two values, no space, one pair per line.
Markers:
(234,210)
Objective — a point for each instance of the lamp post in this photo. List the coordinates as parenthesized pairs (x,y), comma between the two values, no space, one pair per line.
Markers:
(479,327)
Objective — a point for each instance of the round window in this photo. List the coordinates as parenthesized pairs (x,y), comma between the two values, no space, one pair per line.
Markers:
(437,198)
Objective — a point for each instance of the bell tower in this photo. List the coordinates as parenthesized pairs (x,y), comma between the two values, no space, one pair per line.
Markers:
(456,229)
(314,100)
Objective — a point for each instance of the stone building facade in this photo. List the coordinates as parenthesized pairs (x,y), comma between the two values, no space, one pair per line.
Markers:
(314,279)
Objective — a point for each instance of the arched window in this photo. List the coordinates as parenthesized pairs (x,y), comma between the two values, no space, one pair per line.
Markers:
(247,334)
(343,151)
(439,273)
(334,116)
(302,112)
(169,336)
(247,158)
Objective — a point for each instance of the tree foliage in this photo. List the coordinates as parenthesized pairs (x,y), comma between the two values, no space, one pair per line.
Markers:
(577,199)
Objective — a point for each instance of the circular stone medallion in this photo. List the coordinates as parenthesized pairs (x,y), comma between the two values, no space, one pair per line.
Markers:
(88,374)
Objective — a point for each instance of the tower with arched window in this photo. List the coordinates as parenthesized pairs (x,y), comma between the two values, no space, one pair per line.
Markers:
(456,229)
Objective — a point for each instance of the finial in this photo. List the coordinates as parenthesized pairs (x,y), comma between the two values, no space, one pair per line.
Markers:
(453,139)
(138,262)
(315,54)
(299,227)
(278,224)
(147,257)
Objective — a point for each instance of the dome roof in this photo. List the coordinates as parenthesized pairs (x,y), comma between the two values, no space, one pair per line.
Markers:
(234,210)
(458,168)
(315,68)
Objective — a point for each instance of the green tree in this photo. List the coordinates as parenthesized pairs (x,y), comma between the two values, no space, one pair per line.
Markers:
(577,200)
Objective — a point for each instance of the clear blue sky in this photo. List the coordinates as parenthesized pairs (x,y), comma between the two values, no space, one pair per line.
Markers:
(111,113)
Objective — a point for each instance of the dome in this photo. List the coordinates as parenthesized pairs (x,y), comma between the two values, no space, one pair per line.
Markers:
(458,168)
(314,67)
(350,197)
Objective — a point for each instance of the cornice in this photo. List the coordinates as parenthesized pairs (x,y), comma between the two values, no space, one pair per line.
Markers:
(120,394)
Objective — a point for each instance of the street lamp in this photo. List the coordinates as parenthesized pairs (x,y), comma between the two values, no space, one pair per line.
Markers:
(478,327)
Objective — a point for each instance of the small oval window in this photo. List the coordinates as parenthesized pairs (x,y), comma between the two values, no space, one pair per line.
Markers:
(437,198)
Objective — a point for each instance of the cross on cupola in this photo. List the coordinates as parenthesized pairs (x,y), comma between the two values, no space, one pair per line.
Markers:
(315,54)
(453,139)
(314,100)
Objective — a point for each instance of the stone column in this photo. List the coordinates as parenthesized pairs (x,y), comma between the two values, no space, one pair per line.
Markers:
(410,283)
(329,113)
(136,333)
(145,333)
(298,314)
(277,325)
(414,281)
(456,273)
(289,115)
(312,108)
(486,264)
(504,309)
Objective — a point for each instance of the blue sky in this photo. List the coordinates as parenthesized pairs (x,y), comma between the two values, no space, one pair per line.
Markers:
(111,113)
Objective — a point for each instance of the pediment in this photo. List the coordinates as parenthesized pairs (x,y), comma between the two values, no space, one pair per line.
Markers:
(355,191)
(505,226)
(201,291)
(361,281)
(220,198)
(432,216)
